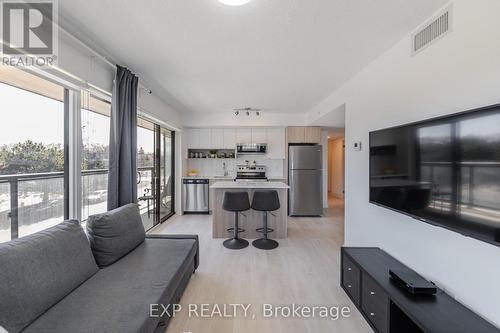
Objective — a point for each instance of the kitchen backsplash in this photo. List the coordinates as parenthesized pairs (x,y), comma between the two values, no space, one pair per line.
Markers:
(214,167)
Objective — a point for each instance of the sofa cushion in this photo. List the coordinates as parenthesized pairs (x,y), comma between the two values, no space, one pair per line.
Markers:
(115,233)
(38,270)
(118,297)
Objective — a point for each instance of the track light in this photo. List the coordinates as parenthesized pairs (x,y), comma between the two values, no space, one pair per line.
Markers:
(248,111)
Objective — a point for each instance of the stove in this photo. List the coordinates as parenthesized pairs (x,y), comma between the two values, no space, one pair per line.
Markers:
(250,173)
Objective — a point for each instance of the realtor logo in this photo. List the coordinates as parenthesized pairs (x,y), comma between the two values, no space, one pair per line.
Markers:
(29,32)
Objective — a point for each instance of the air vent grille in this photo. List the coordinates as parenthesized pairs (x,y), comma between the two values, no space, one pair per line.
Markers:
(432,31)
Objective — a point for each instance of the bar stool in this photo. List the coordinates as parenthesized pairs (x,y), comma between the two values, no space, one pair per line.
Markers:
(236,202)
(265,201)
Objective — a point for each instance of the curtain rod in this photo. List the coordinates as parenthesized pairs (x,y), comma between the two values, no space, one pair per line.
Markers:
(100,56)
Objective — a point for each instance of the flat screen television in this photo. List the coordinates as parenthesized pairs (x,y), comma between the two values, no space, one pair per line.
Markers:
(444,171)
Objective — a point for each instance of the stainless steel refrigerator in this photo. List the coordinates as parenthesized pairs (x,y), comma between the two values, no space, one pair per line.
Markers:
(305,180)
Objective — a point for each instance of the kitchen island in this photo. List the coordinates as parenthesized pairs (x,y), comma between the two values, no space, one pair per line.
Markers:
(249,220)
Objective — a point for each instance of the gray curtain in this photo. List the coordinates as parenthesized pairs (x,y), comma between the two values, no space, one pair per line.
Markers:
(122,178)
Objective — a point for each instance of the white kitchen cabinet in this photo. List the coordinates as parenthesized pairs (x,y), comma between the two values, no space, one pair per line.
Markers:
(217,138)
(244,135)
(259,135)
(276,148)
(229,138)
(205,138)
(192,138)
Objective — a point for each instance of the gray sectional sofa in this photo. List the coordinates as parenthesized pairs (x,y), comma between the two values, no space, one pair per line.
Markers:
(54,280)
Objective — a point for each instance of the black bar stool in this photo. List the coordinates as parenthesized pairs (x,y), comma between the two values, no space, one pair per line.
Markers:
(265,201)
(236,202)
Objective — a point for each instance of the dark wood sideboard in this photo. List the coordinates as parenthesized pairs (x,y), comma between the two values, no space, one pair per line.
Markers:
(390,309)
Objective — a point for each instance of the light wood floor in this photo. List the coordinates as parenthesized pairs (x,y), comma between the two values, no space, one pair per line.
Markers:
(304,270)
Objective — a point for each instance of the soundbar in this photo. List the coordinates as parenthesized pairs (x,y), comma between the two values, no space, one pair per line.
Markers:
(412,283)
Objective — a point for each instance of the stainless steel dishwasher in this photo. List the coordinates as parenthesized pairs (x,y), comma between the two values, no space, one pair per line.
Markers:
(195,196)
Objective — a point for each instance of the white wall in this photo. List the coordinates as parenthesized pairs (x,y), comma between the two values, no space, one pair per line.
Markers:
(459,72)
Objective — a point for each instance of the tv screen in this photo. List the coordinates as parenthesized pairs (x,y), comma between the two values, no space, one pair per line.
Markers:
(443,171)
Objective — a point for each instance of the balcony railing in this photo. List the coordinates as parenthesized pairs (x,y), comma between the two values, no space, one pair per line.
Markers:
(33,202)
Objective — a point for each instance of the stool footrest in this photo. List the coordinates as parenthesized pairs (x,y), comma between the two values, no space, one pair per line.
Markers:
(264,230)
(239,230)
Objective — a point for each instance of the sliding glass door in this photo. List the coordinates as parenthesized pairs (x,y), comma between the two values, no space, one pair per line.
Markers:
(155,178)
(165,146)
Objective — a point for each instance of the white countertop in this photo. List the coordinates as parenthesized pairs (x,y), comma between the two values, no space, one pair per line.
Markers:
(226,178)
(209,177)
(249,185)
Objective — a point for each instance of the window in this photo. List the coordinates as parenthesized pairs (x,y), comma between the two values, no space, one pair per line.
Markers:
(37,183)
(32,155)
(95,119)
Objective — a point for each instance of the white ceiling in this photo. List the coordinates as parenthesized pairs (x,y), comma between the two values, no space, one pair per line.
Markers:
(278,55)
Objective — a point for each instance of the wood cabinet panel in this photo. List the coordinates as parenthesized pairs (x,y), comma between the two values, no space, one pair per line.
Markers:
(296,134)
(312,134)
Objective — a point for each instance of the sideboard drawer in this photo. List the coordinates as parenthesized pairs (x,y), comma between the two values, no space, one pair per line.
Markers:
(375,304)
(351,278)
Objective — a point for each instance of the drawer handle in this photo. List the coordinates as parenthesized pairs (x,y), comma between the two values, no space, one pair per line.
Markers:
(372,293)
(372,314)
(349,286)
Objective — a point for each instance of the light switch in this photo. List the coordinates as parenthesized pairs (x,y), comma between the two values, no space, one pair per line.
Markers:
(357,145)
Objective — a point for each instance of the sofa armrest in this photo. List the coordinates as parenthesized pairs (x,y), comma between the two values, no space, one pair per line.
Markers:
(179,236)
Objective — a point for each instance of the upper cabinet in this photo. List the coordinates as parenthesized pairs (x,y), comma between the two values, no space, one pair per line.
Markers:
(259,135)
(276,146)
(296,134)
(243,135)
(251,135)
(304,134)
(192,138)
(205,138)
(229,138)
(217,138)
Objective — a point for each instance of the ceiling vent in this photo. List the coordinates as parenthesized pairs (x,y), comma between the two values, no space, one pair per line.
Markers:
(432,31)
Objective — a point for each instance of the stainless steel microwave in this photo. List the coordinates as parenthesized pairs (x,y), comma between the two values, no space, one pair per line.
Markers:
(251,148)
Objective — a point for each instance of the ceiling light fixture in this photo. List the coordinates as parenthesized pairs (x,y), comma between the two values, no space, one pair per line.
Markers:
(248,111)
(234,2)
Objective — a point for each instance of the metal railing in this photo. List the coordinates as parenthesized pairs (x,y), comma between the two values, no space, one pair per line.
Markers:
(38,198)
